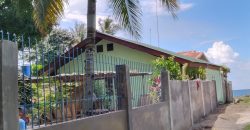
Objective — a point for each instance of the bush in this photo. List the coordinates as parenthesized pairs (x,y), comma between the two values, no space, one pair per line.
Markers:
(169,64)
(194,73)
(36,68)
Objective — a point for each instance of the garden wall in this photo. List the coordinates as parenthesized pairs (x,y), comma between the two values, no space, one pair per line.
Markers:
(151,117)
(181,104)
(191,100)
(111,121)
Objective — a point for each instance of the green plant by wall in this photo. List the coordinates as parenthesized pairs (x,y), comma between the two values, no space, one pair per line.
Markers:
(194,73)
(202,73)
(169,64)
(36,68)
(159,64)
(225,70)
(43,98)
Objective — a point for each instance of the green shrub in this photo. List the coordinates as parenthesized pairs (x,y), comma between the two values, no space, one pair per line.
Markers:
(169,64)
(35,68)
(194,73)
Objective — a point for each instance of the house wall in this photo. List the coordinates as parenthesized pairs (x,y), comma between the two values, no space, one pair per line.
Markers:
(220,88)
(120,54)
(106,61)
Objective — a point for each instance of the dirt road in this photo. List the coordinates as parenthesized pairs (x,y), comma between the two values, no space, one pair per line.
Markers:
(226,117)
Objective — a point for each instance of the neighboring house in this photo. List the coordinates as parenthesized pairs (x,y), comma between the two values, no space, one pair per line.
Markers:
(133,52)
(211,73)
(194,54)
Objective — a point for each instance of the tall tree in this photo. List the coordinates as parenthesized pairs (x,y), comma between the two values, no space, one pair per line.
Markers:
(16,17)
(108,26)
(126,12)
(79,32)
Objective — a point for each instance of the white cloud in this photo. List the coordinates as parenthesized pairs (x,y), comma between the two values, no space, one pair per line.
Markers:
(221,53)
(186,6)
(76,11)
(149,6)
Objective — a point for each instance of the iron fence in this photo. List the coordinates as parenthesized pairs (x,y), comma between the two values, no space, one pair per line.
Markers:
(52,85)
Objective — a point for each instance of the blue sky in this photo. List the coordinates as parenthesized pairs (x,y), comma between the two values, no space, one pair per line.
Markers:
(220,28)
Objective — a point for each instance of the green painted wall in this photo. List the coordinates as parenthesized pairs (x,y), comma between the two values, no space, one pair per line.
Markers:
(120,54)
(216,75)
(136,60)
(105,62)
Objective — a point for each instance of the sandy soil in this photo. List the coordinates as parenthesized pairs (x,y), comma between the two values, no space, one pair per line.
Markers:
(226,117)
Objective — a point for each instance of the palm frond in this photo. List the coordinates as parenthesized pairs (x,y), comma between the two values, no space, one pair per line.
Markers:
(47,13)
(128,14)
(172,6)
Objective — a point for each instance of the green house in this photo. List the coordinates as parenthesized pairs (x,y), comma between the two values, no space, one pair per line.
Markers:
(111,51)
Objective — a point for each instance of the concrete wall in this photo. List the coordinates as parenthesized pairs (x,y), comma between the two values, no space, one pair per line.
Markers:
(111,121)
(196,100)
(191,100)
(151,117)
(180,103)
(229,92)
(8,86)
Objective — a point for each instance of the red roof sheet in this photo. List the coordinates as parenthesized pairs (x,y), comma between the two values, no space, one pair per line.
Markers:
(194,54)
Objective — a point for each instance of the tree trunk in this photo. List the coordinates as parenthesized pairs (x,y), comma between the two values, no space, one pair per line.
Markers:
(89,57)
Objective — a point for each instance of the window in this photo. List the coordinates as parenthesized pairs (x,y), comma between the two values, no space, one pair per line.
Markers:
(110,47)
(99,48)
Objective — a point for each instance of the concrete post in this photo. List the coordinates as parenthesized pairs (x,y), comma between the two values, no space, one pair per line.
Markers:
(166,96)
(124,90)
(203,100)
(8,86)
(190,102)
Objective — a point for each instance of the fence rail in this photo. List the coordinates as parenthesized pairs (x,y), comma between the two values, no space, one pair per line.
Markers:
(51,82)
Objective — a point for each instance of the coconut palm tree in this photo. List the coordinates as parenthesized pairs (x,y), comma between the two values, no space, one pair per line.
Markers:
(108,26)
(126,12)
(79,32)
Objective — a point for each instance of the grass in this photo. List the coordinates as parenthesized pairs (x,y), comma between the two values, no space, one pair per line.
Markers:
(247,127)
(245,100)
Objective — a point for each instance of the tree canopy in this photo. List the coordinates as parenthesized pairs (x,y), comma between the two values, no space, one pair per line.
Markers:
(16,17)
(108,26)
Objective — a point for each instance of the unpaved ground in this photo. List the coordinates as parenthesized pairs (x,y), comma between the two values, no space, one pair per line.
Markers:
(226,117)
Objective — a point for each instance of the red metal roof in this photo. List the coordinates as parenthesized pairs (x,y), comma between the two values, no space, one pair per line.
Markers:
(194,54)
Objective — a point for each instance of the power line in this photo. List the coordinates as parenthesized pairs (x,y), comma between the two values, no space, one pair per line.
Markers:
(157,24)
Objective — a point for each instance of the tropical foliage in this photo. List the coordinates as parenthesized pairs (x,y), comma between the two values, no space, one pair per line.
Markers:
(108,26)
(47,13)
(168,64)
(194,73)
(35,68)
(18,11)
(79,32)
(225,70)
(127,12)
